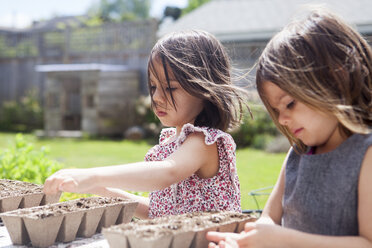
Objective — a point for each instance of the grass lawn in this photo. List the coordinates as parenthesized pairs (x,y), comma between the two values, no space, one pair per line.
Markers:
(256,169)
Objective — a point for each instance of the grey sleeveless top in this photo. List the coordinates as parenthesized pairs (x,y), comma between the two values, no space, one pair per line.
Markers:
(321,190)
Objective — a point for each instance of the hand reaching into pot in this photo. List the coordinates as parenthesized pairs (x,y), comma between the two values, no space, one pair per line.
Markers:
(255,235)
(71,180)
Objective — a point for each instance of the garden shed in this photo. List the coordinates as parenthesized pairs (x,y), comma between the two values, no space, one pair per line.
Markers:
(97,99)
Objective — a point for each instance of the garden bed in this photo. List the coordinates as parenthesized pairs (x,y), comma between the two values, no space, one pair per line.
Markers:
(63,222)
(182,231)
(17,194)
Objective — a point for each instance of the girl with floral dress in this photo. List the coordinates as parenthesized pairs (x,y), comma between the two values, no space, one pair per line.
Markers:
(193,166)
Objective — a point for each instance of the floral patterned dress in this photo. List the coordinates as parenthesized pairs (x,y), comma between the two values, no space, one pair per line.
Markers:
(194,194)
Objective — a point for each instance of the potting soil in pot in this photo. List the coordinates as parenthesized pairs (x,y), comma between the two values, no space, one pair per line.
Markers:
(181,231)
(17,194)
(63,222)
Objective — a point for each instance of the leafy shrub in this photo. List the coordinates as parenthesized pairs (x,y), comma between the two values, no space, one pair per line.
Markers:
(260,141)
(146,118)
(67,196)
(23,116)
(255,132)
(24,163)
(279,144)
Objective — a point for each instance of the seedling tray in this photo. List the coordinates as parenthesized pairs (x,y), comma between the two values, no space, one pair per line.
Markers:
(182,231)
(17,194)
(63,222)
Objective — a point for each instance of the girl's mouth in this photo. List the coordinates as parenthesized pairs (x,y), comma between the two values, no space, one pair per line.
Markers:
(160,113)
(297,132)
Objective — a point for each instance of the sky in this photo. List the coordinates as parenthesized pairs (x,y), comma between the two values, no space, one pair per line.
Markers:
(21,13)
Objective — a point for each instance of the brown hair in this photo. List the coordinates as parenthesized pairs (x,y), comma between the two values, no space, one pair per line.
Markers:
(200,64)
(325,64)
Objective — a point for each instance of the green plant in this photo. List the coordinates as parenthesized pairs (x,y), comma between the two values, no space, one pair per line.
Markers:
(255,132)
(23,116)
(24,163)
(67,196)
(279,144)
(260,141)
(193,4)
(146,118)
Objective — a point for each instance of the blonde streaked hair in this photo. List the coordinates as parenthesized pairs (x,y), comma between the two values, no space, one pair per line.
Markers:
(324,63)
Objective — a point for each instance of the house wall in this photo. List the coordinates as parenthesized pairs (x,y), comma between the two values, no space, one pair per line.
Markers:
(89,101)
(52,104)
(117,93)
(102,102)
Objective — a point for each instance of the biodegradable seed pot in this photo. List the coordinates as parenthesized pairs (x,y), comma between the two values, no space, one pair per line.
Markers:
(63,222)
(181,231)
(17,194)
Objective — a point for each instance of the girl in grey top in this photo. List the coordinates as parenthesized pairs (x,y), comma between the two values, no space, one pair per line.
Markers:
(315,79)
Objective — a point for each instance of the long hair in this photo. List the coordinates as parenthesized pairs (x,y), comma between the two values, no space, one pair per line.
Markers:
(324,63)
(200,64)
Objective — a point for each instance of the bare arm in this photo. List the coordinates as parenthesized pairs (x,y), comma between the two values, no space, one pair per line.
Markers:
(260,234)
(142,210)
(192,156)
(300,239)
(272,213)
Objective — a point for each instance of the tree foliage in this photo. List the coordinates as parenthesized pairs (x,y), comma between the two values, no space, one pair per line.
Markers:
(193,4)
(24,115)
(118,10)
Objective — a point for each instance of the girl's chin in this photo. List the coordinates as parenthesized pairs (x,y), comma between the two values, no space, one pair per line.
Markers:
(309,144)
(164,124)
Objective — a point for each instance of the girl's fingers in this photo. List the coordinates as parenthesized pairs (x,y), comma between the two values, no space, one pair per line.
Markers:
(231,243)
(212,245)
(222,244)
(215,236)
(51,185)
(59,181)
(68,185)
(249,226)
(218,236)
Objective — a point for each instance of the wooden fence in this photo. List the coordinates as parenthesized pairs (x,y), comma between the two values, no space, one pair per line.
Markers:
(122,43)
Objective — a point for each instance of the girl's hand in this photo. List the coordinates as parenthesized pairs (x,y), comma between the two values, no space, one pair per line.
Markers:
(255,235)
(70,180)
(229,243)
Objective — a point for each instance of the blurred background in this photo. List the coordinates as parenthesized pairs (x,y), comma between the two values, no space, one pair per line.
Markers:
(73,80)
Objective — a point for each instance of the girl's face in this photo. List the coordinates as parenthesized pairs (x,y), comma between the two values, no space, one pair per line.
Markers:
(312,127)
(188,106)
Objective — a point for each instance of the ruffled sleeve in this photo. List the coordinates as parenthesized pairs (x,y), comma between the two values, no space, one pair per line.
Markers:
(225,144)
(165,134)
(211,135)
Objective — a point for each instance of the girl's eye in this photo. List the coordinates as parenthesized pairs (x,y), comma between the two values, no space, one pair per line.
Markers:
(291,104)
(170,89)
(152,88)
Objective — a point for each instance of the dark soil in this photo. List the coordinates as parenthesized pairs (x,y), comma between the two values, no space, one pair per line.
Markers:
(67,207)
(63,222)
(171,225)
(9,188)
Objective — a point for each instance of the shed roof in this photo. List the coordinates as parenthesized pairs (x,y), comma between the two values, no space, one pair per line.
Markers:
(80,67)
(259,19)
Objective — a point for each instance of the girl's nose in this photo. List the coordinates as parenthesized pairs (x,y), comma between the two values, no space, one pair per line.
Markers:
(283,119)
(158,96)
